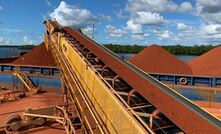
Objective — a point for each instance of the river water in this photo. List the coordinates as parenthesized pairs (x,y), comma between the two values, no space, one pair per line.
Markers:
(186,57)
(10,52)
(181,57)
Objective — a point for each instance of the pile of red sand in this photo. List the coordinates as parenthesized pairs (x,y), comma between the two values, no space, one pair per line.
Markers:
(39,56)
(154,59)
(208,64)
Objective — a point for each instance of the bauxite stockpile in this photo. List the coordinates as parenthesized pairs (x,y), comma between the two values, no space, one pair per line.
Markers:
(154,59)
(208,64)
(38,56)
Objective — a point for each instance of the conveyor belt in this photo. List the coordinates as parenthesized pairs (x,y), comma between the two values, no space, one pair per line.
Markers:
(182,112)
(177,108)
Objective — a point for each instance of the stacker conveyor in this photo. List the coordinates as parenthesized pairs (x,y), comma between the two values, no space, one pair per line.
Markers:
(113,96)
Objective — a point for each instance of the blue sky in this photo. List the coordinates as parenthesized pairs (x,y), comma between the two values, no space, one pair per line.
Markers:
(143,22)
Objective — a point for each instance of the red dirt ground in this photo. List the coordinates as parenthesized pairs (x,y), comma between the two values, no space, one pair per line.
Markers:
(54,129)
(38,56)
(154,59)
(34,101)
(207,64)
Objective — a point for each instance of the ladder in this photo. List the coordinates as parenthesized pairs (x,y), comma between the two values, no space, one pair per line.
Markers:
(26,81)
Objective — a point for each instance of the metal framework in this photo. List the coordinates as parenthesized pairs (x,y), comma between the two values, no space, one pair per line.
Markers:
(140,108)
(31,70)
(112,96)
(15,93)
(192,80)
(40,116)
(26,81)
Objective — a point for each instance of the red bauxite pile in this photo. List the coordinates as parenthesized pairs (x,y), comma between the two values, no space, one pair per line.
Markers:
(208,64)
(38,56)
(154,59)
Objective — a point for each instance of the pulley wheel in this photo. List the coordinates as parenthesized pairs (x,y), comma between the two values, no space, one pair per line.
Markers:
(14,122)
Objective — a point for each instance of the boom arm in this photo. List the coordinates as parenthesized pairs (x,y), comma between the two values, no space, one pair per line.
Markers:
(105,80)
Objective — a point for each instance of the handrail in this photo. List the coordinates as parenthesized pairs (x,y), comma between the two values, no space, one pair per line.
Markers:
(26,81)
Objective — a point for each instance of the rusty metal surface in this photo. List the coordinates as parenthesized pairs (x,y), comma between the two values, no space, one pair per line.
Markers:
(21,65)
(182,112)
(18,107)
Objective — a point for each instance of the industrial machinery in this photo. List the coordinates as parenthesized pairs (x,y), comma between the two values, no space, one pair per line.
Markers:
(39,116)
(26,81)
(110,95)
(13,95)
(120,98)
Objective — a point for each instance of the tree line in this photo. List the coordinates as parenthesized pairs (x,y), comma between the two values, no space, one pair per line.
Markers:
(176,50)
(27,47)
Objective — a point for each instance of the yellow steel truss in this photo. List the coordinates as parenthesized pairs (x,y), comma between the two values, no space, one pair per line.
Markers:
(82,78)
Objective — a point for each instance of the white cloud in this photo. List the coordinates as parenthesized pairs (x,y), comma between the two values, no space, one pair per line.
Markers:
(71,15)
(135,28)
(211,29)
(211,6)
(27,40)
(106,18)
(205,34)
(183,27)
(115,32)
(140,37)
(209,10)
(89,31)
(149,18)
(120,14)
(216,36)
(148,14)
(165,35)
(10,30)
(4,41)
(186,7)
(157,6)
(48,2)
(181,34)
(151,5)
(1,39)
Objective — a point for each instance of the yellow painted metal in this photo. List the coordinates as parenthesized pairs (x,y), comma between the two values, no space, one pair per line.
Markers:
(46,42)
(116,118)
(25,80)
(75,89)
